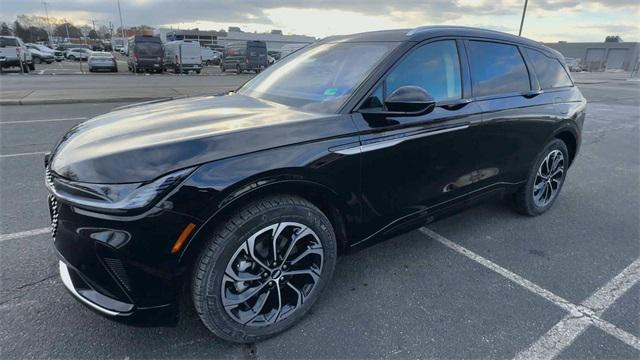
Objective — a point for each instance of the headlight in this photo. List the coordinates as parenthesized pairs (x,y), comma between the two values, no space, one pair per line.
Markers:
(115,197)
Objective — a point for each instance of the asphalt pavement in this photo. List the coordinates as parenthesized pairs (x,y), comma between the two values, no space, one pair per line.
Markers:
(485,283)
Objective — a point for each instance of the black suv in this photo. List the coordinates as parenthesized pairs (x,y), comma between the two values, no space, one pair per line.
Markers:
(246,199)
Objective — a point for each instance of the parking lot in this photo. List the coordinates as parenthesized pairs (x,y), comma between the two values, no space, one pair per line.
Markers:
(68,67)
(485,283)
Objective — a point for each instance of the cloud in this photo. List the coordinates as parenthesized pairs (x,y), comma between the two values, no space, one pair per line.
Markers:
(321,17)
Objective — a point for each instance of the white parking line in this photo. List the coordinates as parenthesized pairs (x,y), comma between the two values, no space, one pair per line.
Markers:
(23,154)
(43,120)
(580,316)
(23,234)
(570,327)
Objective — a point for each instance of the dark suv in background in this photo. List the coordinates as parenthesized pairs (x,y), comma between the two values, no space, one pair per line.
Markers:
(245,56)
(247,199)
(145,53)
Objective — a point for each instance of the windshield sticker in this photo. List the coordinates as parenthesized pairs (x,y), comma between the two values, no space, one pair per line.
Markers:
(331,92)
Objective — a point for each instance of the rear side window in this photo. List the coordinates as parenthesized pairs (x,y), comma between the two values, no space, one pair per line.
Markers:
(551,74)
(497,68)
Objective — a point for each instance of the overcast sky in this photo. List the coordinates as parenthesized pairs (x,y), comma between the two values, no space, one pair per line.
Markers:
(547,20)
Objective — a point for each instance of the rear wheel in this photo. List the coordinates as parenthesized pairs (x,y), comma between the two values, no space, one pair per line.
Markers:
(262,270)
(37,60)
(545,181)
(72,58)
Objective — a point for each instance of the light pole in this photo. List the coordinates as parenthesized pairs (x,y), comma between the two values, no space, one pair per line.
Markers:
(121,22)
(524,12)
(46,12)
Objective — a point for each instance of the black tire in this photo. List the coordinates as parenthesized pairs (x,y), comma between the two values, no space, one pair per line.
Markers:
(72,58)
(209,269)
(37,60)
(523,200)
(197,71)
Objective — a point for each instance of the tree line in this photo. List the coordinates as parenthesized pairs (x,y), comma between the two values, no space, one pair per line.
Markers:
(34,28)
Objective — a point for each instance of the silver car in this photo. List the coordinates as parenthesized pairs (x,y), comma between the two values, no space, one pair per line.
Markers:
(102,61)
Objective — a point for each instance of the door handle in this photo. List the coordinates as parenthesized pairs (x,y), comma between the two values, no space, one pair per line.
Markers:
(533,93)
(456,105)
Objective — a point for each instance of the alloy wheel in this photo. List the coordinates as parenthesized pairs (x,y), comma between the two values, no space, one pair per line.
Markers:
(271,274)
(549,178)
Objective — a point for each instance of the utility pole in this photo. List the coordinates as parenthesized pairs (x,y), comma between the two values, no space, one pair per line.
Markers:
(66,26)
(46,12)
(524,12)
(121,22)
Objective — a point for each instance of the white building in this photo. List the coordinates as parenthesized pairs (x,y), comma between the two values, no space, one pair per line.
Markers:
(275,40)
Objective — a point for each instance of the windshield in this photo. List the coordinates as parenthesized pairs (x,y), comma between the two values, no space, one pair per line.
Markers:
(319,78)
(149,49)
(8,42)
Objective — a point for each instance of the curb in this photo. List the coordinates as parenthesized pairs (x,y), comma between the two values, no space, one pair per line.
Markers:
(80,101)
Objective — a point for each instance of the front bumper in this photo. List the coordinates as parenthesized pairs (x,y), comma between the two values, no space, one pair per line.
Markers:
(121,267)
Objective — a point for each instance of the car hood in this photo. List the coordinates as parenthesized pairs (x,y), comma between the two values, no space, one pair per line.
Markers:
(141,143)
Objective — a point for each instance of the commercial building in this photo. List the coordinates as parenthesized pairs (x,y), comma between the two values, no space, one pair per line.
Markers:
(602,56)
(211,38)
(204,37)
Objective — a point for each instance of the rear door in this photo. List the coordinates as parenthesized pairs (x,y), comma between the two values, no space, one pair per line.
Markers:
(257,53)
(190,54)
(412,165)
(518,116)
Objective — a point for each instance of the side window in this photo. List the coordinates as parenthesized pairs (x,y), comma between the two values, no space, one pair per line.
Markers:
(550,72)
(497,68)
(434,67)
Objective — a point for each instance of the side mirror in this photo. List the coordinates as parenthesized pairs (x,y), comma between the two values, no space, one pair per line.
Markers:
(410,99)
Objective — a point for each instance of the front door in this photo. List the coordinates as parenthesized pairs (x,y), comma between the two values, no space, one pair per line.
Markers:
(411,164)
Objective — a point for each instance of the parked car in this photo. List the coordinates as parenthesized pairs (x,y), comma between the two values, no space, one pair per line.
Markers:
(14,53)
(145,54)
(80,54)
(183,56)
(245,56)
(102,61)
(248,198)
(38,56)
(209,56)
(57,55)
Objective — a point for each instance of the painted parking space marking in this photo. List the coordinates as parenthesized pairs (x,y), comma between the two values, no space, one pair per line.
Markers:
(42,120)
(580,317)
(23,234)
(569,328)
(23,154)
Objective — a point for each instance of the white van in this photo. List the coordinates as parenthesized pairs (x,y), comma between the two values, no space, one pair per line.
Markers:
(183,56)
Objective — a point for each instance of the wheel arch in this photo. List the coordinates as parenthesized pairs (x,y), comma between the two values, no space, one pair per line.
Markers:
(570,140)
(322,196)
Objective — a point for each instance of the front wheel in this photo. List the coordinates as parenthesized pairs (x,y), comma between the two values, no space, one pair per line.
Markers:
(262,270)
(545,180)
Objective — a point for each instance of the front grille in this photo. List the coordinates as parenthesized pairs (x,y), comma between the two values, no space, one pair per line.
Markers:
(117,268)
(53,212)
(53,204)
